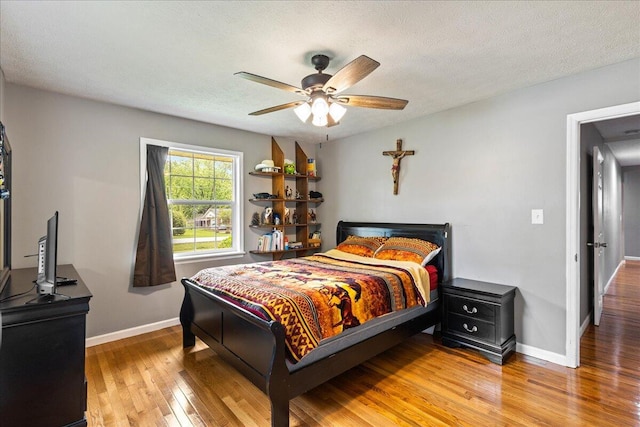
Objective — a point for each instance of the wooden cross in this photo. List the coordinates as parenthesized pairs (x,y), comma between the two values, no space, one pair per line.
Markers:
(397,156)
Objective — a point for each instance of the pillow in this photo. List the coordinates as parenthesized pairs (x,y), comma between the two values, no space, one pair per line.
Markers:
(406,249)
(363,246)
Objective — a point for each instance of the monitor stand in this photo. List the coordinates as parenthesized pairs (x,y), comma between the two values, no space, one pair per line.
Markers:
(47,299)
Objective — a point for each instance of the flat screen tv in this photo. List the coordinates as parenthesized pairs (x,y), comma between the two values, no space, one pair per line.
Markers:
(5,209)
(48,258)
(46,280)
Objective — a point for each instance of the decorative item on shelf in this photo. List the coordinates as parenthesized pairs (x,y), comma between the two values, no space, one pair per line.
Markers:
(288,192)
(289,167)
(294,217)
(276,218)
(278,240)
(312,216)
(286,243)
(267,166)
(265,196)
(267,216)
(298,196)
(255,219)
(311,167)
(315,240)
(295,245)
(287,216)
(315,195)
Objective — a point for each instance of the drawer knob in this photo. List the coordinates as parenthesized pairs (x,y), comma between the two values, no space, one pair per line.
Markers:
(466,327)
(472,311)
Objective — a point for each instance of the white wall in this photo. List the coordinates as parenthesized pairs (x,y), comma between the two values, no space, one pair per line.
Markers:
(483,167)
(631,210)
(81,157)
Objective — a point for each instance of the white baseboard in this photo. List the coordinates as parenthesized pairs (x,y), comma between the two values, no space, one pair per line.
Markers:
(613,276)
(558,359)
(632,258)
(585,324)
(131,332)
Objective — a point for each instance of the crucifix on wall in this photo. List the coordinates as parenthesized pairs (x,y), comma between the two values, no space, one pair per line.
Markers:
(397,156)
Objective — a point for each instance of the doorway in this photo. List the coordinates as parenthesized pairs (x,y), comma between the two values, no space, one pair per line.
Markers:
(573,261)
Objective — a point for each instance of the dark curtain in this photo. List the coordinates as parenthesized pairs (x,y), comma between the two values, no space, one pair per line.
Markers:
(154,256)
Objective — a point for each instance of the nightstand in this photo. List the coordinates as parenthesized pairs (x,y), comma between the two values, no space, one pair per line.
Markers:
(479,315)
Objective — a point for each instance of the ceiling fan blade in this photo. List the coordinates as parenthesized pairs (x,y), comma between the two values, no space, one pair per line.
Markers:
(372,102)
(269,82)
(350,74)
(331,122)
(277,108)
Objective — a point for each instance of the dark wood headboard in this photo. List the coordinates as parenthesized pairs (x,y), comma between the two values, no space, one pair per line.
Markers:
(440,234)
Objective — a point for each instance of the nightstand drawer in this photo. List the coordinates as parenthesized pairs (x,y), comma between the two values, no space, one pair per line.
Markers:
(471,307)
(470,327)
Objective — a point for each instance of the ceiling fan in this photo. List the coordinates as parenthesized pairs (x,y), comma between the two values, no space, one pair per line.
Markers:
(322,92)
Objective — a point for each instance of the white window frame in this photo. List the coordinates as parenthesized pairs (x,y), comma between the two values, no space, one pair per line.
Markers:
(237,249)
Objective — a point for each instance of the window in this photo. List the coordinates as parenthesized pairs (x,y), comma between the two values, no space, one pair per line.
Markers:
(204,197)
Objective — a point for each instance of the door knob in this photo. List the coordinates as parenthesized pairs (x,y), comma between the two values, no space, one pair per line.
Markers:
(597,244)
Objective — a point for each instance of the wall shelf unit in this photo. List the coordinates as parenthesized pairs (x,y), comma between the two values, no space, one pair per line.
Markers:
(279,181)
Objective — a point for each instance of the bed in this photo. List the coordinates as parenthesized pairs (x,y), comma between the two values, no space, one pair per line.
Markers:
(258,348)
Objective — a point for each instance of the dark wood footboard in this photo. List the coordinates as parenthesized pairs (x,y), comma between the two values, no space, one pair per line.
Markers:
(254,346)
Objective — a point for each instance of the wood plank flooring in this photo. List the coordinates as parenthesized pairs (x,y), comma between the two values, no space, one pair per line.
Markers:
(149,380)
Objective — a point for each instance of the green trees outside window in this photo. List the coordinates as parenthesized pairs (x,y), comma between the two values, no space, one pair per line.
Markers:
(199,190)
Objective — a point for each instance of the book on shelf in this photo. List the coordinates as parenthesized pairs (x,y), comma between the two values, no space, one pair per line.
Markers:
(272,241)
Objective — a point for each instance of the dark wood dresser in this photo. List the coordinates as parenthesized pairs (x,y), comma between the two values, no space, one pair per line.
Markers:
(479,315)
(42,354)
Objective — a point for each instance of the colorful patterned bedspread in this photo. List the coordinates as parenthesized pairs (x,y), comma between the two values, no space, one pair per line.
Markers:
(319,296)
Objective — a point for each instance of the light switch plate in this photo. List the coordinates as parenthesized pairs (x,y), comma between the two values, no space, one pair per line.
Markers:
(537,216)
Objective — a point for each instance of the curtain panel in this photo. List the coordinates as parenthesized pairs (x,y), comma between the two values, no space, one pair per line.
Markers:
(154,255)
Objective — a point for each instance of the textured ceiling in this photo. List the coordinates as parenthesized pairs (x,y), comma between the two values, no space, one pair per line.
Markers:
(179,58)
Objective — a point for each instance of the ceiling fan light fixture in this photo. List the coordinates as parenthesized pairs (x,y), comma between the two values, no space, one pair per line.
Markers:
(336,111)
(319,106)
(303,111)
(319,120)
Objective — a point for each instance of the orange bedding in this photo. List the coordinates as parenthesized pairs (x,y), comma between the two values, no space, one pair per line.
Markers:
(320,296)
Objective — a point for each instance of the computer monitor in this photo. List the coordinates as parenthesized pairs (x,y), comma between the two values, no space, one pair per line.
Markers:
(48,258)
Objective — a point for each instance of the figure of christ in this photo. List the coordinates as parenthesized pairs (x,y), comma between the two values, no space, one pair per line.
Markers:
(397,155)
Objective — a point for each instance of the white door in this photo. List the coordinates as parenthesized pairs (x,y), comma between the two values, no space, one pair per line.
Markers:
(598,237)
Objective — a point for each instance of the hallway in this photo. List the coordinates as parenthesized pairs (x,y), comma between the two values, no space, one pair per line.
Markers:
(614,345)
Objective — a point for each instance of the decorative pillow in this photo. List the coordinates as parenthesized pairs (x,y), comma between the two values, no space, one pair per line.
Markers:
(407,249)
(363,246)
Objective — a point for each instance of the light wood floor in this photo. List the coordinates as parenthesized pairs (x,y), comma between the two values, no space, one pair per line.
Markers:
(149,380)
